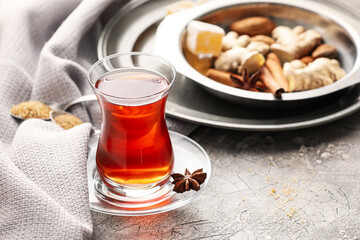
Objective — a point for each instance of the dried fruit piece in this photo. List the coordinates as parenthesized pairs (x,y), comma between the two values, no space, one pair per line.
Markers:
(236,59)
(260,47)
(294,43)
(232,39)
(204,38)
(200,64)
(253,62)
(321,72)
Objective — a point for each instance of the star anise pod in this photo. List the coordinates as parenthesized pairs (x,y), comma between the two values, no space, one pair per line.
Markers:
(188,181)
(247,82)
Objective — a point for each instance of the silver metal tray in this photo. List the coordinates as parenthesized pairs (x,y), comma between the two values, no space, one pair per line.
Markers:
(329,22)
(133,29)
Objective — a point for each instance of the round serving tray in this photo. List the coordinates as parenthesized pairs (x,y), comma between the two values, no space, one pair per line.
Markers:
(133,28)
(327,21)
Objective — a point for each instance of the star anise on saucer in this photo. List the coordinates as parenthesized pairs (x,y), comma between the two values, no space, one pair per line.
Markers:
(188,181)
(248,82)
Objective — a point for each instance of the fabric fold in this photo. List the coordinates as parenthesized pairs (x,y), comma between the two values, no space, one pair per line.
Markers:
(44,185)
(46,49)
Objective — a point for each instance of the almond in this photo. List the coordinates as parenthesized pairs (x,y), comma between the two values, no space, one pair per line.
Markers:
(263,38)
(253,26)
(307,59)
(324,50)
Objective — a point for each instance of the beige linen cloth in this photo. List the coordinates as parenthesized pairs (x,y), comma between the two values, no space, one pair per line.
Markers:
(46,47)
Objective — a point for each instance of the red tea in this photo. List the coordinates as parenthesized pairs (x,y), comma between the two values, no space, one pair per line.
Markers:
(134,145)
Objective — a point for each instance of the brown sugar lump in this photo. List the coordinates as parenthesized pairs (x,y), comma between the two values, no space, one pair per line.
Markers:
(67,121)
(31,109)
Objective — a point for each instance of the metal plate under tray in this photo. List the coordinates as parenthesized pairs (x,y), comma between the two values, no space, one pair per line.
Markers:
(133,29)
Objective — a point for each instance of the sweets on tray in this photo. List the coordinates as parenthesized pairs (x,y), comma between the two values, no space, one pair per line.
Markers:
(283,59)
(204,38)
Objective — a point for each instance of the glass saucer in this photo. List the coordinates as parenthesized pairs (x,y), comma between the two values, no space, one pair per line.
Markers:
(188,154)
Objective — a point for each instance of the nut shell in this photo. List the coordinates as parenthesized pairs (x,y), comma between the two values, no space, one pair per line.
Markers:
(307,59)
(324,50)
(263,38)
(253,26)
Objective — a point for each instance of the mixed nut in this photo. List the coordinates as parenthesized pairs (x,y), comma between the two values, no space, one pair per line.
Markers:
(288,59)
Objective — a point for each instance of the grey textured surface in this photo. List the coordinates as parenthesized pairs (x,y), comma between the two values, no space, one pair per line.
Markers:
(301,184)
(314,173)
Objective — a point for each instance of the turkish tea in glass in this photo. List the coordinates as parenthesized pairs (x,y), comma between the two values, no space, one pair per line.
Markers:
(134,149)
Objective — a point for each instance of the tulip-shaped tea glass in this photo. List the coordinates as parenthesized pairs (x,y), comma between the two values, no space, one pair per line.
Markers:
(134,156)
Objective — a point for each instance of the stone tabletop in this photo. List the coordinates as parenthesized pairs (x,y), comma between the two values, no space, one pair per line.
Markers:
(302,184)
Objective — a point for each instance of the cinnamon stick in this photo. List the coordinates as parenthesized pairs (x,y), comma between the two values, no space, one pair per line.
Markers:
(223,77)
(270,82)
(273,63)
